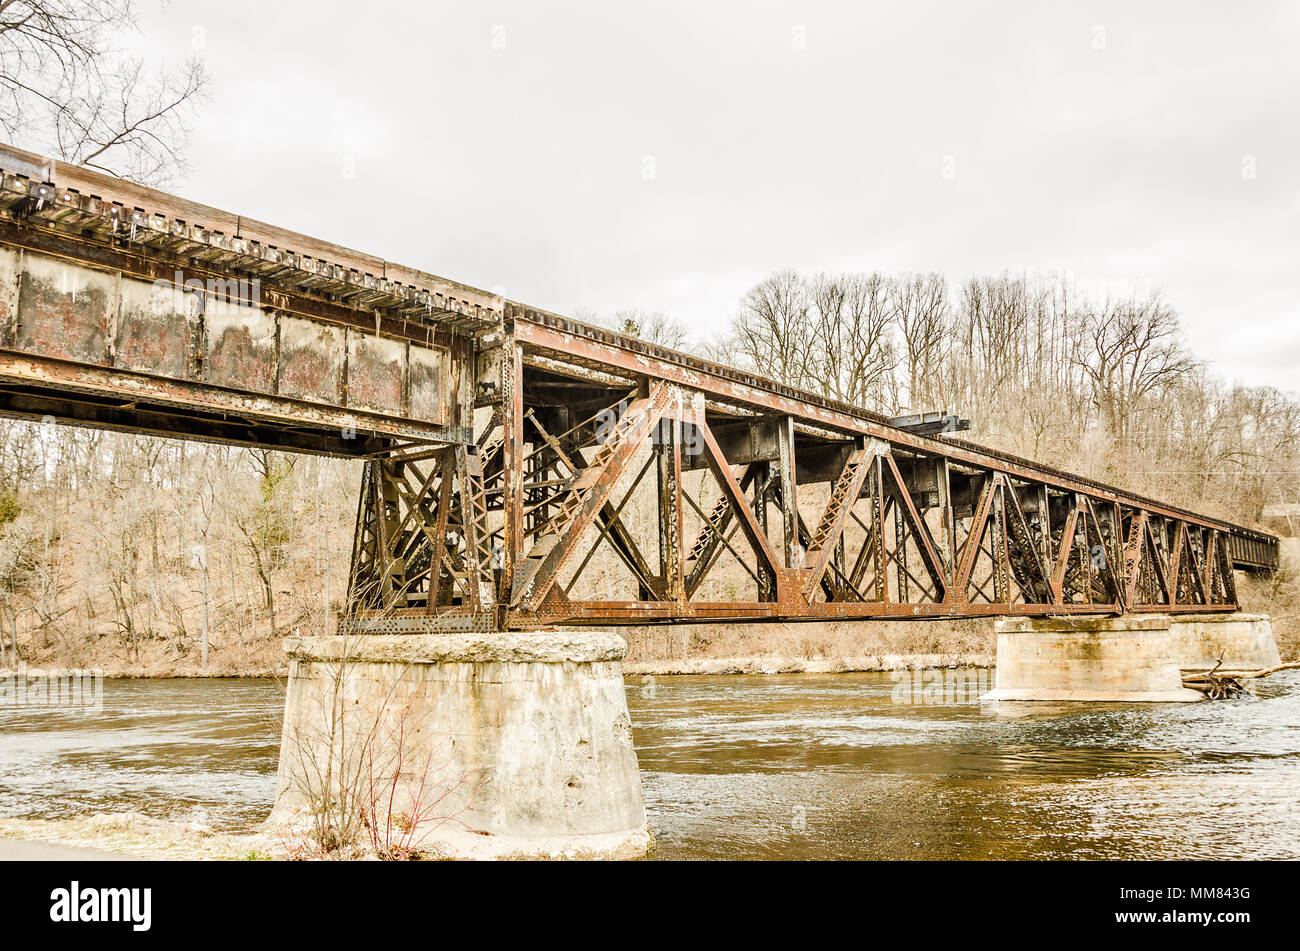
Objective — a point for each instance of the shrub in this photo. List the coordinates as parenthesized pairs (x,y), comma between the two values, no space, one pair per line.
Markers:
(10,507)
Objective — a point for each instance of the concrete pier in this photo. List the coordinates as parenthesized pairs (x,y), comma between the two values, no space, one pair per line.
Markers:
(1242,641)
(506,745)
(1125,659)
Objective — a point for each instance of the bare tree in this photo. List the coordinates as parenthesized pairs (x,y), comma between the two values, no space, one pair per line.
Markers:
(1133,349)
(771,332)
(265,525)
(64,85)
(19,555)
(651,326)
(994,324)
(853,353)
(920,309)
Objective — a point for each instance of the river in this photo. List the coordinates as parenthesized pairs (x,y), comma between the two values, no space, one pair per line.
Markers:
(765,767)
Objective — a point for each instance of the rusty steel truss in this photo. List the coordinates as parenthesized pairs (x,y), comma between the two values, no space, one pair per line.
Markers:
(522,469)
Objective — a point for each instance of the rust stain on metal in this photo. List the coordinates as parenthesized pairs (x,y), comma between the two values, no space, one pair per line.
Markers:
(430,376)
(153,332)
(8,294)
(311,360)
(63,310)
(375,371)
(240,350)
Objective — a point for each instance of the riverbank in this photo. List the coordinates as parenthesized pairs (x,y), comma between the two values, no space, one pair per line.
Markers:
(750,648)
(129,835)
(712,666)
(828,647)
(23,850)
(742,648)
(865,663)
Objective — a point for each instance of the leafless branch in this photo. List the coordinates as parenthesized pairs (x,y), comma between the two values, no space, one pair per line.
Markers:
(64,86)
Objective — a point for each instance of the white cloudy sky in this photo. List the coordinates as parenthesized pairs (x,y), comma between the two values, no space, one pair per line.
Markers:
(507,144)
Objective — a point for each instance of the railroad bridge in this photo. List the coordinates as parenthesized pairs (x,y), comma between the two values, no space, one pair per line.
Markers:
(505,445)
(523,470)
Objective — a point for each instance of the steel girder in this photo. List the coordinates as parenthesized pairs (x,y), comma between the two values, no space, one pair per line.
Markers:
(607,496)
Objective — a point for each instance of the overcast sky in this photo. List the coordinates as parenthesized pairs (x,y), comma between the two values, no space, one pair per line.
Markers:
(666,156)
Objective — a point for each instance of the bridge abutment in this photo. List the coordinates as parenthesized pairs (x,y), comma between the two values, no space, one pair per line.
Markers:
(1241,641)
(500,745)
(1126,659)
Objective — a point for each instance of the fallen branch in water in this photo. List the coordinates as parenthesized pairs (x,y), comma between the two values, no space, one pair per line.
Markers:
(1245,674)
(1227,684)
(1220,688)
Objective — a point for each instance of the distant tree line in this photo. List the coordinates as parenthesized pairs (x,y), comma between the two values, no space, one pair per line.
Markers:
(1100,384)
(1105,386)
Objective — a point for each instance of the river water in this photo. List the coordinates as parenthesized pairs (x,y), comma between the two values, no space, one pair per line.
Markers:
(790,767)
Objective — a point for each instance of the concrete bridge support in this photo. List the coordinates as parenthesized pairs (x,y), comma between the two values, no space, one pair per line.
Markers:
(1241,641)
(502,745)
(1124,659)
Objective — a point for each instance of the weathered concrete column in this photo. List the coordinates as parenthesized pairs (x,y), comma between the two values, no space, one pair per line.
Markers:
(1087,658)
(1243,641)
(507,745)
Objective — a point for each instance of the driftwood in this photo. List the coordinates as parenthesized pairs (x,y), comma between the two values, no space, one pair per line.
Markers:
(1227,684)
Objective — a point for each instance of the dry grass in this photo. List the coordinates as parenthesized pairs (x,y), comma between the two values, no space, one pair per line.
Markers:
(254,657)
